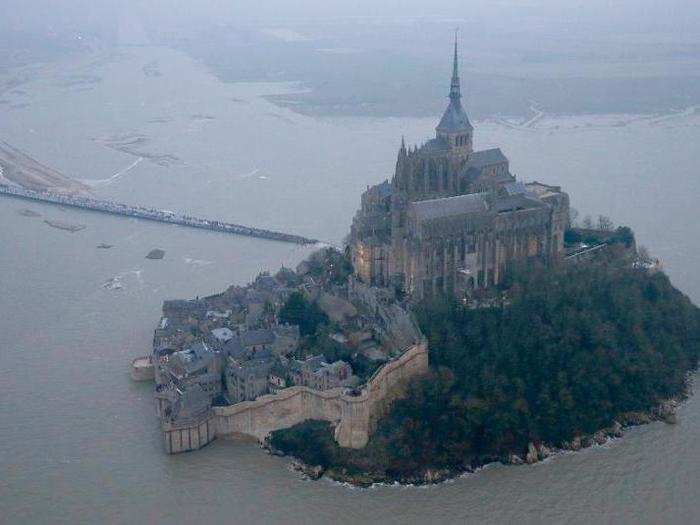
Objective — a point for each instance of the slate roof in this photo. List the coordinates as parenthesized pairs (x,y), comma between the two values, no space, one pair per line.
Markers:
(435,146)
(257,337)
(487,157)
(234,348)
(454,119)
(199,350)
(515,188)
(222,334)
(517,202)
(193,358)
(312,363)
(193,402)
(450,206)
(258,368)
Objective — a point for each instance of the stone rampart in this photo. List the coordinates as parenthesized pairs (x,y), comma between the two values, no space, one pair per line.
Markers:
(184,437)
(355,417)
(142,369)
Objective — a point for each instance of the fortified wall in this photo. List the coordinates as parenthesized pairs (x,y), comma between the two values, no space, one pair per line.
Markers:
(355,416)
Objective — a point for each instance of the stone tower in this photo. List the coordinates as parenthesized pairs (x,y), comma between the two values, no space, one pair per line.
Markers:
(454,127)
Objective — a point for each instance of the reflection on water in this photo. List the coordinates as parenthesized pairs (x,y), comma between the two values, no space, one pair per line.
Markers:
(79,441)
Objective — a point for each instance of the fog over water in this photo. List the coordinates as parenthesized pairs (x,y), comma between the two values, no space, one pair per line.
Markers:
(173,123)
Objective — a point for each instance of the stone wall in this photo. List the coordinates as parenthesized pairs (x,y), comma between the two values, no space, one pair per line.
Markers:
(355,417)
(142,369)
(187,437)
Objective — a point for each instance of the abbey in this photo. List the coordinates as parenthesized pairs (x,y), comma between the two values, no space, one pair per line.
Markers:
(452,219)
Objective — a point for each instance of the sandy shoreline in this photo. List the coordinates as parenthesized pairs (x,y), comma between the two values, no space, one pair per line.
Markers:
(19,169)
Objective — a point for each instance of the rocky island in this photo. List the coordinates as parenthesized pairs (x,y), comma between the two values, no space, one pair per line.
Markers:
(469,319)
(557,359)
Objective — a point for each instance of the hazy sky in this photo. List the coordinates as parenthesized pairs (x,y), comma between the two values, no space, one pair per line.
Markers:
(677,16)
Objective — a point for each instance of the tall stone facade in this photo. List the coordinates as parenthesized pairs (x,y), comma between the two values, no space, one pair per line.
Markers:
(452,219)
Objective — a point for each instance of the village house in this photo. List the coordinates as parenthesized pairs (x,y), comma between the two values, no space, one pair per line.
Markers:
(315,373)
(198,364)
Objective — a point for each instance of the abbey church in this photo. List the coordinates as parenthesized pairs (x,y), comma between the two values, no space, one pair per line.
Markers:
(452,219)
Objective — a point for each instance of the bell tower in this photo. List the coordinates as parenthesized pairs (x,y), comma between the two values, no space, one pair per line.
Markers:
(454,127)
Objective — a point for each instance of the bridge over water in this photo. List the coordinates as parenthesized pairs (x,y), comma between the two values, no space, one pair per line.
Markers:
(150,214)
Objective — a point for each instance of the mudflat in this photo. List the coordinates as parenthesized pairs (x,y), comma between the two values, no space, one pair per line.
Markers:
(16,167)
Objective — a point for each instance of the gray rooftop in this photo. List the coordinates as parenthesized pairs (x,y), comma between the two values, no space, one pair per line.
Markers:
(454,119)
(254,368)
(193,358)
(487,157)
(312,363)
(517,202)
(234,348)
(450,206)
(515,188)
(257,337)
(199,350)
(222,334)
(435,146)
(193,402)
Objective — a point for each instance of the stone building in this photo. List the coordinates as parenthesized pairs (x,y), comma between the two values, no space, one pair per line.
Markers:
(199,364)
(315,373)
(248,379)
(452,219)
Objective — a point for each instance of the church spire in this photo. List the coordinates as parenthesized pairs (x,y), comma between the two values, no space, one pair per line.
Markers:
(454,127)
(402,150)
(455,93)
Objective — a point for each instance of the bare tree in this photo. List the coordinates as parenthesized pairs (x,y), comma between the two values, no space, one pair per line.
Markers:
(643,255)
(587,222)
(573,217)
(605,223)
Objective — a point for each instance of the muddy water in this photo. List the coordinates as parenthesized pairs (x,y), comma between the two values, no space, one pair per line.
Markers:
(79,441)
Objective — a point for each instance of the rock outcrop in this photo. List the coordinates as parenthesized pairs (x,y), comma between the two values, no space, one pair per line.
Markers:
(532,455)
